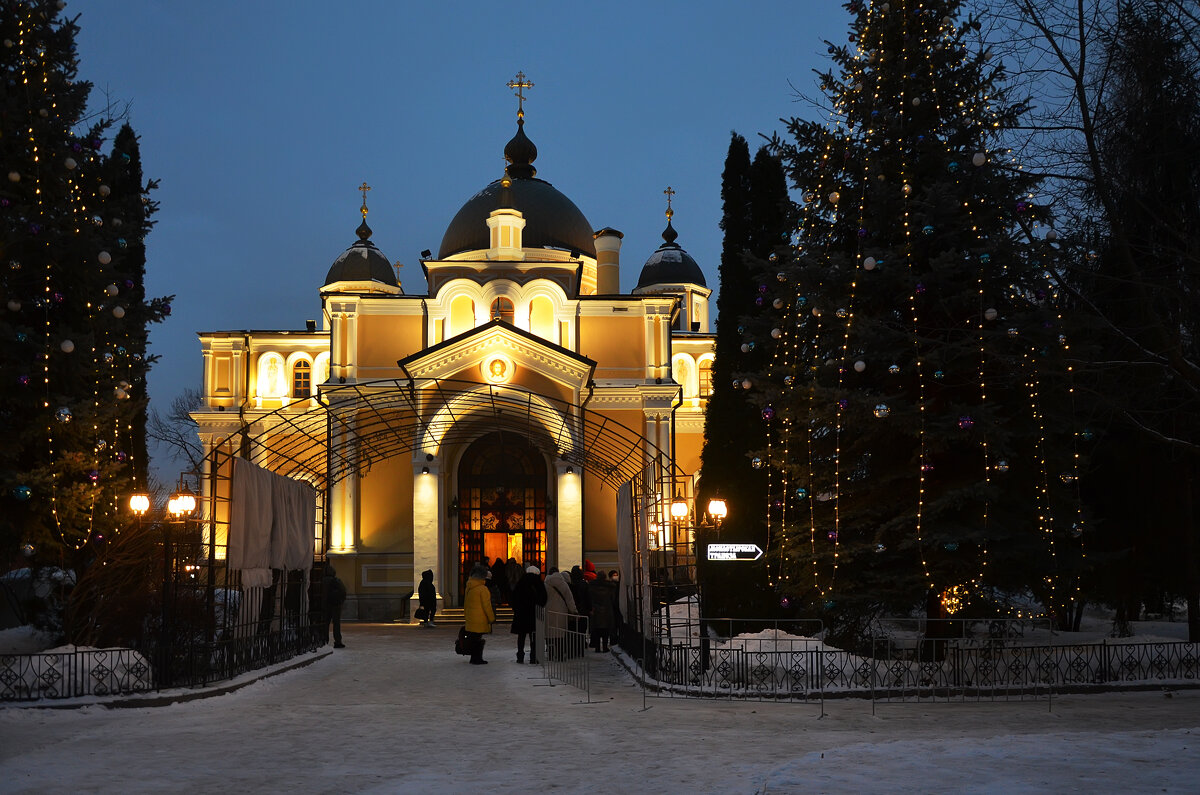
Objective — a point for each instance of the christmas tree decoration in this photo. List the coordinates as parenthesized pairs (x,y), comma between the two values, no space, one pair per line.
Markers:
(61,490)
(910,104)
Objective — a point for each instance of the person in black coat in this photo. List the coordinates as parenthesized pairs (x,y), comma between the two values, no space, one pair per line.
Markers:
(583,601)
(335,597)
(528,595)
(427,597)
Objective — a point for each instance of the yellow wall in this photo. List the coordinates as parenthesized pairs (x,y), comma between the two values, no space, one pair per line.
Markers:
(382,339)
(385,507)
(617,342)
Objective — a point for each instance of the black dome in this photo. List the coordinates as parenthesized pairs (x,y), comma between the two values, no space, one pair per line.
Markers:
(551,219)
(362,262)
(670,264)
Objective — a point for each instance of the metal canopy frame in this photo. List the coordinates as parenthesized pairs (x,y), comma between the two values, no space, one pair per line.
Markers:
(346,429)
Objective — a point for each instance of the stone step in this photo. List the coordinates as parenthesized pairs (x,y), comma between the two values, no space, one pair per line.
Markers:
(456,616)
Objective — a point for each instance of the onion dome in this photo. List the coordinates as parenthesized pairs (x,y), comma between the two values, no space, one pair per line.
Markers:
(362,264)
(670,264)
(551,219)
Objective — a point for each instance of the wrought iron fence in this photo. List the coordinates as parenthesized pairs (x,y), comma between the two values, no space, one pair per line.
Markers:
(768,660)
(204,626)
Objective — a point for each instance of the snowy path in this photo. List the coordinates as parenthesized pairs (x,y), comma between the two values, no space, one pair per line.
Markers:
(397,711)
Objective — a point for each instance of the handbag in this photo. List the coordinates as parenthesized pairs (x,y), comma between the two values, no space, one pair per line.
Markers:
(420,614)
(461,645)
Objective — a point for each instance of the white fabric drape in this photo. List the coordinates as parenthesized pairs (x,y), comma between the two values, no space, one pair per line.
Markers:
(271,523)
(625,544)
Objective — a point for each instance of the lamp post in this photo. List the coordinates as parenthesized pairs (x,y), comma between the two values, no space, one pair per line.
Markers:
(179,507)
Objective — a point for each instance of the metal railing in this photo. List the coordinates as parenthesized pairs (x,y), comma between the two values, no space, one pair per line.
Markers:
(562,648)
(1001,661)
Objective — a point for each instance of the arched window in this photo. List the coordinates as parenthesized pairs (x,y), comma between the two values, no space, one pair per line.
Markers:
(502,309)
(301,379)
(706,378)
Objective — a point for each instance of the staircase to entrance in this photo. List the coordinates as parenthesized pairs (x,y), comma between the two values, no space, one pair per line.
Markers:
(454,616)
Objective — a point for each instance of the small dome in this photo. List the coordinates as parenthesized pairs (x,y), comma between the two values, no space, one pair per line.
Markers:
(551,219)
(670,264)
(362,262)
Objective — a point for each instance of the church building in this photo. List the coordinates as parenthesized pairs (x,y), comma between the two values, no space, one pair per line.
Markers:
(496,409)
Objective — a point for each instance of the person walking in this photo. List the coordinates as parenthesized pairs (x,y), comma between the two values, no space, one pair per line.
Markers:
(560,604)
(527,596)
(477,606)
(427,597)
(335,597)
(601,591)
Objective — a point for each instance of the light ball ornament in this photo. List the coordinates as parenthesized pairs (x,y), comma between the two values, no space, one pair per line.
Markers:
(118,312)
(841,312)
(111,290)
(916,101)
(965,423)
(1002,466)
(22,493)
(776,333)
(835,197)
(990,313)
(27,550)
(768,413)
(104,191)
(978,159)
(70,164)
(1051,235)
(777,303)
(120,394)
(757,463)
(14,305)
(14,176)
(906,189)
(1014,332)
(63,415)
(67,346)
(894,369)
(781,276)
(859,366)
(882,410)
(869,263)
(747,383)
(104,258)
(745,347)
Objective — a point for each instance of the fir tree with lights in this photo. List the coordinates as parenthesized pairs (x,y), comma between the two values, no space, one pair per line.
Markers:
(919,446)
(73,328)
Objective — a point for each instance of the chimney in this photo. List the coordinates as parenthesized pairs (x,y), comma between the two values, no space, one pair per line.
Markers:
(608,261)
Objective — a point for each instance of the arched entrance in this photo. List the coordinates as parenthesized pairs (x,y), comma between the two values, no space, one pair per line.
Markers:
(502,503)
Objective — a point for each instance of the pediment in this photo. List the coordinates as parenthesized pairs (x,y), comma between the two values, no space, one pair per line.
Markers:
(471,356)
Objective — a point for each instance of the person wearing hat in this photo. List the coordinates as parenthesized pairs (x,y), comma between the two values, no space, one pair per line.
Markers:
(527,596)
(480,615)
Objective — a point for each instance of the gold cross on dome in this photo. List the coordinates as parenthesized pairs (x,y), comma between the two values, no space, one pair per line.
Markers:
(669,192)
(364,188)
(518,83)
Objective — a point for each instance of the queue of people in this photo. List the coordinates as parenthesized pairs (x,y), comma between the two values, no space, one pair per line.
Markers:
(582,601)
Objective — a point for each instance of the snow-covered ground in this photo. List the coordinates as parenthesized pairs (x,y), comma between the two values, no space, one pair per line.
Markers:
(398,711)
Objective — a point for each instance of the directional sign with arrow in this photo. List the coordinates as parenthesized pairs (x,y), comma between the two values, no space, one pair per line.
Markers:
(734,552)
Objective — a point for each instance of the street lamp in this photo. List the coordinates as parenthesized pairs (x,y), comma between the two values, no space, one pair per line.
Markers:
(139,504)
(717,510)
(679,508)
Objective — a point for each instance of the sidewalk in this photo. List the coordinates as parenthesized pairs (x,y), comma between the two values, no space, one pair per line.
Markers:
(398,711)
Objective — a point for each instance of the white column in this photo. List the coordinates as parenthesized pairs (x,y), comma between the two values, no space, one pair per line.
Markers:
(427,512)
(570,516)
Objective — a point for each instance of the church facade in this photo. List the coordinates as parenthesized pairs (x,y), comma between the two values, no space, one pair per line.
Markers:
(517,341)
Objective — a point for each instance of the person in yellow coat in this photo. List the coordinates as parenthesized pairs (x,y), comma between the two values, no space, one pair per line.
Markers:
(479,612)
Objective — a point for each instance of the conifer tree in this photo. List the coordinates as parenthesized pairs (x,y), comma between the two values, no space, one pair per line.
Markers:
(73,328)
(913,455)
(756,220)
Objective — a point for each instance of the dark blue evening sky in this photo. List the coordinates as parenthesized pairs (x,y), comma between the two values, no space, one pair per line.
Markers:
(260,119)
